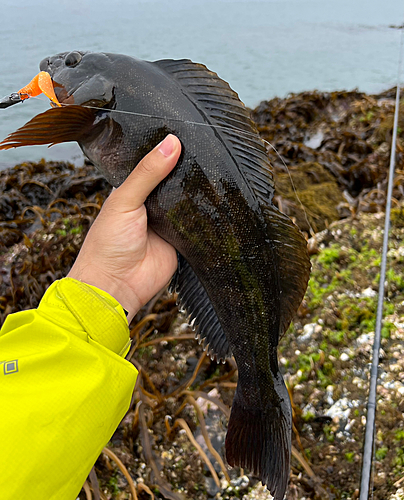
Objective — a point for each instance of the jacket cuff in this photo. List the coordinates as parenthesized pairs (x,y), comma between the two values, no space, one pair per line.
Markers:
(96,312)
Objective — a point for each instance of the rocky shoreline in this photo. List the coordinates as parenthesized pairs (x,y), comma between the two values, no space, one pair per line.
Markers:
(336,147)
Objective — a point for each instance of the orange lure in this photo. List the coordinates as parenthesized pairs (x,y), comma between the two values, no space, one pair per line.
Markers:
(41,83)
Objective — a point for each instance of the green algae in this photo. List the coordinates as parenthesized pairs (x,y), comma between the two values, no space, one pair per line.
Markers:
(315,189)
(341,300)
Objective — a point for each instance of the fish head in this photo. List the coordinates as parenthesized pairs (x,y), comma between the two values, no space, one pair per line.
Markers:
(81,78)
(87,88)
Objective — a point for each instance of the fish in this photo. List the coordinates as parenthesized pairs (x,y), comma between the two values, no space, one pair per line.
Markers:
(243,266)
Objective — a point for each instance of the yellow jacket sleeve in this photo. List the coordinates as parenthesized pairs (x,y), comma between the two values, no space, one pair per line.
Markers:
(64,388)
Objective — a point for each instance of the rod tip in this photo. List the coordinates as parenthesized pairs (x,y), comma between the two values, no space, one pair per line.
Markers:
(10,100)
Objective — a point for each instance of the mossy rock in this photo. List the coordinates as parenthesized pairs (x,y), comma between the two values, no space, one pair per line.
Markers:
(317,191)
(397,216)
(384,131)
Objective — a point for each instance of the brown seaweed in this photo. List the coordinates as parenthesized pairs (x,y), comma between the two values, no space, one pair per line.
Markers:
(336,147)
(45,212)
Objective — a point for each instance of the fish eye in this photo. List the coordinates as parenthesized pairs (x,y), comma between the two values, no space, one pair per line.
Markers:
(72,59)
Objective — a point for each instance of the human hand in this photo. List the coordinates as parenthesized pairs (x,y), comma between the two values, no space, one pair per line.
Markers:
(121,254)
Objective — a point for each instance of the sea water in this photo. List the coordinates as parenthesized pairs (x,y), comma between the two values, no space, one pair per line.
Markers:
(263,48)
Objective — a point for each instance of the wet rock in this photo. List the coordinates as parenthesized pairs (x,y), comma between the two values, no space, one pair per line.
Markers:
(9,237)
(368,292)
(211,487)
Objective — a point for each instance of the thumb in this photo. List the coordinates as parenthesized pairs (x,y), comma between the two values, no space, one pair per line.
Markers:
(149,172)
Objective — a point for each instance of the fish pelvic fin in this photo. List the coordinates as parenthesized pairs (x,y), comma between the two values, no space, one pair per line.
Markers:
(56,125)
(260,441)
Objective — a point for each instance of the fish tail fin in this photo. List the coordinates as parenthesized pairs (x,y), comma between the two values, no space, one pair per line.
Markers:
(260,441)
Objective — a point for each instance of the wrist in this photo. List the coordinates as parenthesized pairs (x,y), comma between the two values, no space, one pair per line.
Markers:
(118,289)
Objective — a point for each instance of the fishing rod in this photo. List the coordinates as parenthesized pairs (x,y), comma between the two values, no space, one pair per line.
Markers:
(368,449)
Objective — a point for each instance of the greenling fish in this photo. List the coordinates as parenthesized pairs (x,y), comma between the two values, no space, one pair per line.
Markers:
(243,265)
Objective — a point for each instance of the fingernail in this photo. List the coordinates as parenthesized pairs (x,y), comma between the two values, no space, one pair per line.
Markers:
(166,146)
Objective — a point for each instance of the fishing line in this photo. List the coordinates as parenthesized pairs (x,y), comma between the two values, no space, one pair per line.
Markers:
(368,448)
(293,185)
(227,128)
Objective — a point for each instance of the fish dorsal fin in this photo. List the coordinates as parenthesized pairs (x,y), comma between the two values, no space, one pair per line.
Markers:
(222,107)
(193,297)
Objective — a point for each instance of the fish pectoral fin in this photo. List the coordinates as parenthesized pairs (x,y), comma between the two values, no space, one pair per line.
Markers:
(56,125)
(193,297)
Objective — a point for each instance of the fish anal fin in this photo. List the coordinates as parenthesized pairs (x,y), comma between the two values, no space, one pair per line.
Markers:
(194,298)
(56,125)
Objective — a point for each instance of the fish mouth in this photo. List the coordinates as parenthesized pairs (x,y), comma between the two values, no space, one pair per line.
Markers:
(63,95)
(90,93)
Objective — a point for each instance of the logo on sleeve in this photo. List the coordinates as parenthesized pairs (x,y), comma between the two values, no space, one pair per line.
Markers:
(10,367)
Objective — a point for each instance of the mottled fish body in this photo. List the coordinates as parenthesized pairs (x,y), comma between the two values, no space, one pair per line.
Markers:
(243,265)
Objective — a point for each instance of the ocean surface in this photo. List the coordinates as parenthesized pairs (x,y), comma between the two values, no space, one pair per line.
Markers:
(263,48)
